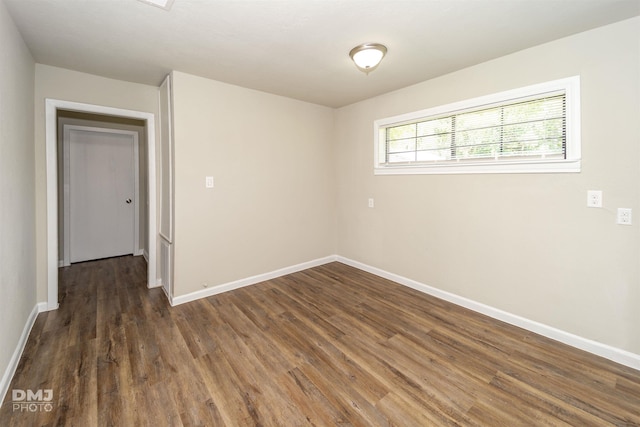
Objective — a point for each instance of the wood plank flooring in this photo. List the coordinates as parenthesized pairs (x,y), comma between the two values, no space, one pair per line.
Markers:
(327,346)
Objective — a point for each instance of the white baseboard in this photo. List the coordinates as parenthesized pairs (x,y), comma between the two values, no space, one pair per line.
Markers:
(17,353)
(169,297)
(145,254)
(612,353)
(250,280)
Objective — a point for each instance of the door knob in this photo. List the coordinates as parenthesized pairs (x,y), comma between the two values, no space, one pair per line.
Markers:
(128,201)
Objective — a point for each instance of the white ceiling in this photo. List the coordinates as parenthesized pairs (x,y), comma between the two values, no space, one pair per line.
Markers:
(297,48)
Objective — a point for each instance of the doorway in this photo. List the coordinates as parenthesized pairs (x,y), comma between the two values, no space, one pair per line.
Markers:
(52,107)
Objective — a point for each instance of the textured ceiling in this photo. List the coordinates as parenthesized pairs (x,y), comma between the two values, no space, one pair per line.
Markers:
(297,48)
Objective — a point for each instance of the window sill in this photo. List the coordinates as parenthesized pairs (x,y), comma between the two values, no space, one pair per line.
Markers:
(543,166)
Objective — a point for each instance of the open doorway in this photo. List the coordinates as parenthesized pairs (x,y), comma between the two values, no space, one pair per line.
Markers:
(102,187)
(57,110)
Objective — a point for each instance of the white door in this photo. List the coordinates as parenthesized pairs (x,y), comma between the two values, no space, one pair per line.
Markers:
(101,194)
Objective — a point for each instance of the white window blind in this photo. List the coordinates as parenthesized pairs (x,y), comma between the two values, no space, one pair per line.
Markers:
(529,126)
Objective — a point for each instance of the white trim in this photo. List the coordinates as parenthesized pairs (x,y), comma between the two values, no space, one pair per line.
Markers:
(166,142)
(166,153)
(534,166)
(612,353)
(17,353)
(67,129)
(204,293)
(166,267)
(572,163)
(51,137)
(169,297)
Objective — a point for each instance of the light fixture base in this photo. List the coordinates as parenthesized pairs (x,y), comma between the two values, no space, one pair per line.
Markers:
(162,4)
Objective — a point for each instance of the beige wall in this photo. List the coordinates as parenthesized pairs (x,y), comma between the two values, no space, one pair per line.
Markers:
(67,85)
(273,201)
(523,243)
(17,189)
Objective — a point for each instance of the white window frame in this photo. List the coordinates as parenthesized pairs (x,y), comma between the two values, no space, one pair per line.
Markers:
(572,162)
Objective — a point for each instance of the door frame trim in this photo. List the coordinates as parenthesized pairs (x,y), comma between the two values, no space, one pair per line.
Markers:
(51,143)
(66,132)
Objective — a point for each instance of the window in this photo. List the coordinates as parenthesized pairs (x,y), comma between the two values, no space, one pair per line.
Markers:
(531,129)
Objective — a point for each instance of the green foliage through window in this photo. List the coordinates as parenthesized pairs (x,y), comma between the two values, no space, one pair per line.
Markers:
(521,129)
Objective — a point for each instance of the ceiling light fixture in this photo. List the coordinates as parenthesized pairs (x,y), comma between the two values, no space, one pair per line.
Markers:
(367,56)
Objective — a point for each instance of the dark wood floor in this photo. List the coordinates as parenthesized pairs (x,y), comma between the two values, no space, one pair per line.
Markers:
(326,346)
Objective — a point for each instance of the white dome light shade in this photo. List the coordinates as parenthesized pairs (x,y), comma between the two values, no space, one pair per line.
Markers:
(368,56)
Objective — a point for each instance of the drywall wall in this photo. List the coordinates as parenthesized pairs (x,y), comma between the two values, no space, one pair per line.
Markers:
(523,243)
(67,85)
(273,202)
(17,190)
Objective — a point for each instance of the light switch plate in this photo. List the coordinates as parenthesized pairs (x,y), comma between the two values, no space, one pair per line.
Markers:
(208,182)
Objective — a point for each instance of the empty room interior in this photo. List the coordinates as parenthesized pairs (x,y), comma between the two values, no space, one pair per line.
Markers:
(288,212)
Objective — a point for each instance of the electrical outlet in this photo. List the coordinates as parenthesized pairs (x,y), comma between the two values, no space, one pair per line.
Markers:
(594,198)
(624,216)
